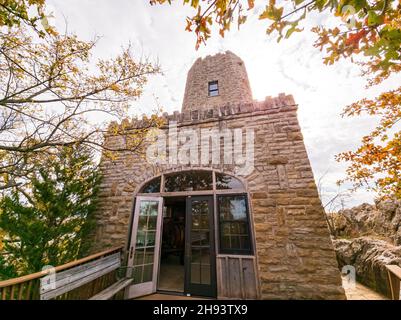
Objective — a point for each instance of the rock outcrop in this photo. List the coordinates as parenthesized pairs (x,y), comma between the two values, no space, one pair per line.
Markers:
(381,221)
(368,237)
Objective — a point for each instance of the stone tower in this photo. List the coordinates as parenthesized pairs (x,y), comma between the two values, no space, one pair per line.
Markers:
(291,255)
(225,74)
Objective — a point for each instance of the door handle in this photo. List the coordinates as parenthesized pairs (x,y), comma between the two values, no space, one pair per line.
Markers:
(131,251)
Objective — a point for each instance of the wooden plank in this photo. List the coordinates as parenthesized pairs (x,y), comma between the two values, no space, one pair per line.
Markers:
(76,284)
(221,277)
(76,271)
(69,283)
(256,276)
(96,271)
(82,278)
(389,274)
(68,265)
(20,291)
(241,275)
(396,270)
(250,284)
(394,278)
(28,290)
(238,277)
(112,290)
(394,283)
(234,278)
(12,292)
(67,279)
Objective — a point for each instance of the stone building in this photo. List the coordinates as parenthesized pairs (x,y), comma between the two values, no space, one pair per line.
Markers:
(228,207)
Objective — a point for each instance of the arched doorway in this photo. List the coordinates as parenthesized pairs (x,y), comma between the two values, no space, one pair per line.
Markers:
(181,221)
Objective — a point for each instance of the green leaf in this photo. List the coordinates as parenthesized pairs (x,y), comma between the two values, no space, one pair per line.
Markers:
(291,30)
(372,51)
(320,4)
(195,3)
(272,13)
(374,19)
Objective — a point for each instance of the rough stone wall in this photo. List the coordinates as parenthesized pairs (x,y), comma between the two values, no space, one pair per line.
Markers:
(294,252)
(230,72)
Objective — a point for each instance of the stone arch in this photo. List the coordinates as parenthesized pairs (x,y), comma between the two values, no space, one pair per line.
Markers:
(231,174)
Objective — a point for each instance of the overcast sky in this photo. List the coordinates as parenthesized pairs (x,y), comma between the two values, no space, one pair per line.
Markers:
(292,66)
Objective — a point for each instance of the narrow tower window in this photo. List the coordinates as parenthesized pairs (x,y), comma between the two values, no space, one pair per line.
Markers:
(213,88)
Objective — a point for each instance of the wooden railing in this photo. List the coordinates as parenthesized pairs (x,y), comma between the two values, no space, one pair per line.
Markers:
(394,279)
(28,287)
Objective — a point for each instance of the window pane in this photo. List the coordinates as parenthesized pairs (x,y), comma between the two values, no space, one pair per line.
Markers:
(196,238)
(205,256)
(152,223)
(140,239)
(148,208)
(225,242)
(233,208)
(138,258)
(204,222)
(235,243)
(242,228)
(225,228)
(152,186)
(195,273)
(195,255)
(224,181)
(189,181)
(150,238)
(147,273)
(138,274)
(213,86)
(149,255)
(205,274)
(234,224)
(213,93)
(142,223)
(244,242)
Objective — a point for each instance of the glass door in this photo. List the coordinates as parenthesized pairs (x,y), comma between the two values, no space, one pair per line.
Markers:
(143,257)
(200,258)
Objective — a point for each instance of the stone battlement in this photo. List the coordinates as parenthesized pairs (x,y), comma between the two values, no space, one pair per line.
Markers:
(270,105)
(213,56)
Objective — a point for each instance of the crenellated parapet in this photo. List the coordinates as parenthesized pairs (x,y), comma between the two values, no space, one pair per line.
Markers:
(270,105)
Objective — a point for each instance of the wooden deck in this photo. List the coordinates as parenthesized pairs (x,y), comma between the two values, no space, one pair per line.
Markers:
(361,292)
(163,296)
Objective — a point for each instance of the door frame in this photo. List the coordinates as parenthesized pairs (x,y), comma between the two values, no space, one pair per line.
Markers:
(141,289)
(200,289)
